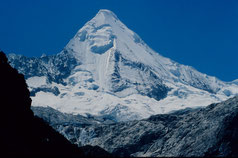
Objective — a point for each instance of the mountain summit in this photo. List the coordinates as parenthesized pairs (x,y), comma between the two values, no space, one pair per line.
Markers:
(105,16)
(108,70)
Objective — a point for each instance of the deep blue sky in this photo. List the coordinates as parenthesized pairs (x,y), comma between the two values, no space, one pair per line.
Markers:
(200,33)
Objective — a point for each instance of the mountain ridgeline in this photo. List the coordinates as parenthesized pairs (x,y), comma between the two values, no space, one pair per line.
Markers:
(55,67)
(22,133)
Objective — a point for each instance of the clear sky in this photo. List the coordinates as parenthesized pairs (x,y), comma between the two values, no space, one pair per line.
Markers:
(199,33)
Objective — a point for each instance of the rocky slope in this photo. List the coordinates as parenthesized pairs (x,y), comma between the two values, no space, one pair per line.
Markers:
(55,117)
(209,131)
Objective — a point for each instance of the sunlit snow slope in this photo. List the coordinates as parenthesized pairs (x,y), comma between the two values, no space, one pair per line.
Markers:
(107,69)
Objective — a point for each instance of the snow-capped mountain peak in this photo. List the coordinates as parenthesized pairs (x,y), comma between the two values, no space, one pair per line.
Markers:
(112,53)
(104,16)
(107,69)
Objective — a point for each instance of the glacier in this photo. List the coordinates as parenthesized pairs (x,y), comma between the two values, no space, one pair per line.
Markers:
(108,70)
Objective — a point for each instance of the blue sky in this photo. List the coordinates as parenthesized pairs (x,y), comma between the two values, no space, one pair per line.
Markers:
(199,33)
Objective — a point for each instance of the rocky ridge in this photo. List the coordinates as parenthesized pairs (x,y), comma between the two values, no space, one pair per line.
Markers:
(209,131)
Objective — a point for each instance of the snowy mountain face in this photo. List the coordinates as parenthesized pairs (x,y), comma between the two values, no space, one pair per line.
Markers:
(235,81)
(107,70)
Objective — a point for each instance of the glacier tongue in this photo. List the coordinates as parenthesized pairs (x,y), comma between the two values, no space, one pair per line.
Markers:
(109,70)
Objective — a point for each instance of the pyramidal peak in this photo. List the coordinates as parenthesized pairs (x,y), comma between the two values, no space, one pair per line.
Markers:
(106,32)
(107,14)
(104,17)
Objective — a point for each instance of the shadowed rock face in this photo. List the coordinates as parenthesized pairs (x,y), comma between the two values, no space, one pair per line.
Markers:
(210,131)
(55,67)
(23,134)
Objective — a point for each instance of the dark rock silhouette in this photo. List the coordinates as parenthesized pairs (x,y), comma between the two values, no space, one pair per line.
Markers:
(22,133)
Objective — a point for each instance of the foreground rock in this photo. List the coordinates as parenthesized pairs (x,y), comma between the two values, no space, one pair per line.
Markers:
(21,133)
(210,131)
